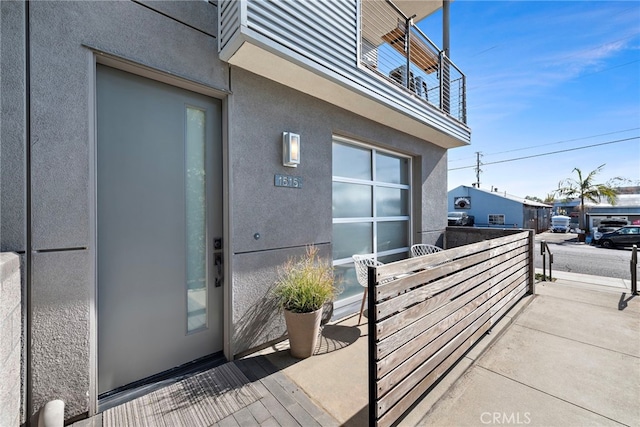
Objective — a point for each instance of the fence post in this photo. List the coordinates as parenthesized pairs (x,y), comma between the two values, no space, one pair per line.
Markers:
(371,327)
(532,276)
(634,270)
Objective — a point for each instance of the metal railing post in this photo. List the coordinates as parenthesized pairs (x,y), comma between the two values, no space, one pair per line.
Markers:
(407,51)
(544,248)
(464,99)
(440,75)
(634,270)
(446,83)
(544,260)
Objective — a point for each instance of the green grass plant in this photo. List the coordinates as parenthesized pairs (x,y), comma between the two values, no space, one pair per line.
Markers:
(305,284)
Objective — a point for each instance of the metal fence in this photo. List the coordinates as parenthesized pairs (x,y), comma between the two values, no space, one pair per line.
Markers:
(395,48)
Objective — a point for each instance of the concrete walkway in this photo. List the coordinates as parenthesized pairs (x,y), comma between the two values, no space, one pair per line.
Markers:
(568,356)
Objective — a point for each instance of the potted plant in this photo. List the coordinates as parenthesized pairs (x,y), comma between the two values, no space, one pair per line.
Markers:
(304,286)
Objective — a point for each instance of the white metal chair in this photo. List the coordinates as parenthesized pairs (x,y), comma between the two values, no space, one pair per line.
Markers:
(362,262)
(424,249)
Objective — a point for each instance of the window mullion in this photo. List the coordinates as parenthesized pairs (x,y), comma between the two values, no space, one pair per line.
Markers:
(374,208)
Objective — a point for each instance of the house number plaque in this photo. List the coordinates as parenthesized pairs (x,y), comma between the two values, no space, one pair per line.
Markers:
(288,181)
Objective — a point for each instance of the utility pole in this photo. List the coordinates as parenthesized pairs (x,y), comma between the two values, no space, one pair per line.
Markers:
(478,170)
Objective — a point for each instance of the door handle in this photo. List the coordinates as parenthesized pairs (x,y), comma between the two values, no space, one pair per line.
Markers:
(219,270)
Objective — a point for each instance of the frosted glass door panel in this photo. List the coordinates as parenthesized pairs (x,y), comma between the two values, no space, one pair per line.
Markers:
(392,169)
(351,200)
(346,277)
(392,202)
(392,235)
(351,162)
(196,220)
(352,238)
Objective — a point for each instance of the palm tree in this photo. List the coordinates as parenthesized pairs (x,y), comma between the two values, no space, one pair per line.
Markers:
(586,188)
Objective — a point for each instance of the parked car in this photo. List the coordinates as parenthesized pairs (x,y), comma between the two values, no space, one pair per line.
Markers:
(625,236)
(460,219)
(607,226)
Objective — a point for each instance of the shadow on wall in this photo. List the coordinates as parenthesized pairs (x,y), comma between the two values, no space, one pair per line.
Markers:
(261,323)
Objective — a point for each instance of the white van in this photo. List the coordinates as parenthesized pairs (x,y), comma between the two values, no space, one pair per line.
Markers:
(560,224)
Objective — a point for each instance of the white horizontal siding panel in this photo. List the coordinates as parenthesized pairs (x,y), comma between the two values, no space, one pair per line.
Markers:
(322,55)
(309,28)
(229,21)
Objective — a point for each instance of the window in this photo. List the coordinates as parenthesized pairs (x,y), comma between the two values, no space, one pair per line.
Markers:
(496,219)
(371,209)
(196,220)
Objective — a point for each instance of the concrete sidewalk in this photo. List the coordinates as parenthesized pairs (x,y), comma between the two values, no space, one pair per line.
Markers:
(570,358)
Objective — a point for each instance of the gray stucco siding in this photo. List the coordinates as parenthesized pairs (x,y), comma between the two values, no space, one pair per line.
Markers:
(12,126)
(199,14)
(60,325)
(430,198)
(288,219)
(62,90)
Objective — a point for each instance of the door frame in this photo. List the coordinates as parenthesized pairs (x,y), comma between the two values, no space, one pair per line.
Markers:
(95,57)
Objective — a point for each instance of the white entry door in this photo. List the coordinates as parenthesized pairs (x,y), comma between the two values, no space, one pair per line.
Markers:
(159,227)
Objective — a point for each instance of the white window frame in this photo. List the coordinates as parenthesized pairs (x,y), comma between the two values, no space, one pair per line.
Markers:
(496,215)
(374,219)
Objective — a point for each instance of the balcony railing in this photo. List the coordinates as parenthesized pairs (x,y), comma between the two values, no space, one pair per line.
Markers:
(391,44)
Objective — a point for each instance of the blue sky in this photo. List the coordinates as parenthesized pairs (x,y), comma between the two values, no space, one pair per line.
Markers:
(545,76)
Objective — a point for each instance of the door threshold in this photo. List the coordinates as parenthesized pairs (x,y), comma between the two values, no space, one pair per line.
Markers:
(126,393)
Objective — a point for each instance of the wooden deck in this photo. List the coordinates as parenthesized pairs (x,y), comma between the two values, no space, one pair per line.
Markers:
(247,392)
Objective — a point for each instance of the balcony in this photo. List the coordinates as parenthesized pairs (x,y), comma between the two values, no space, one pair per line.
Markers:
(391,44)
(346,52)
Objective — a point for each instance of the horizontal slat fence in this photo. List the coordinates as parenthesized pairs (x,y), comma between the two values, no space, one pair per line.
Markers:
(426,312)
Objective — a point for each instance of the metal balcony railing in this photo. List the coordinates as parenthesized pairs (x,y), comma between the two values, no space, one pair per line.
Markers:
(391,44)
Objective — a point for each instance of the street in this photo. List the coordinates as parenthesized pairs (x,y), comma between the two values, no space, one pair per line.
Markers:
(571,256)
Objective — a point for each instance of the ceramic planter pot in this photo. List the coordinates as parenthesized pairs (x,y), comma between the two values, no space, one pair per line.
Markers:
(303,329)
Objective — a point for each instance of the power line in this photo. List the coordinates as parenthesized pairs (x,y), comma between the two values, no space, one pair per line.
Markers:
(548,154)
(550,143)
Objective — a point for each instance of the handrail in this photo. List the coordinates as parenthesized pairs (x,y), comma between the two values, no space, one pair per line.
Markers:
(544,248)
(634,270)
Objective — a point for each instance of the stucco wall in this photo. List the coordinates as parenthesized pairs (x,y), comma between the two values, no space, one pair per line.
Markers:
(173,37)
(460,236)
(10,339)
(12,128)
(288,219)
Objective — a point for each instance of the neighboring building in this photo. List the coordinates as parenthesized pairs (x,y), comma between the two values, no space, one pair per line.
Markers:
(501,210)
(143,177)
(627,208)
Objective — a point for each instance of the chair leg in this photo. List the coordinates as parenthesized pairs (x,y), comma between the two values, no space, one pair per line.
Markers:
(364,297)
